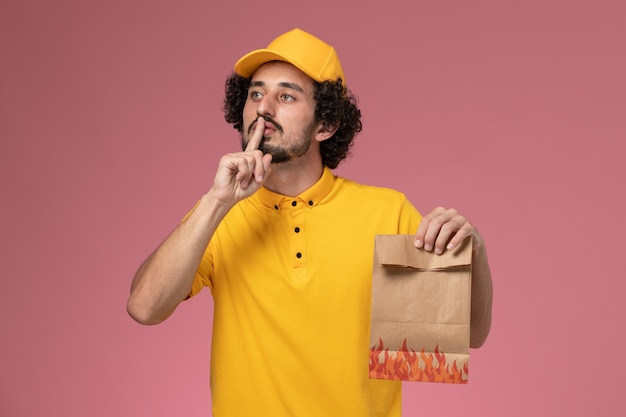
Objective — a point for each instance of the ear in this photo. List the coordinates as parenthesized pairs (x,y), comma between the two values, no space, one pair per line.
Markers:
(325,131)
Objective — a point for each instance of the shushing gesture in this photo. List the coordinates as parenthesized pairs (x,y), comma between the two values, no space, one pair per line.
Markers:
(241,174)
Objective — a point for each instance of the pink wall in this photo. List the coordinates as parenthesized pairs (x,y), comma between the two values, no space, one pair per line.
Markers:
(110,128)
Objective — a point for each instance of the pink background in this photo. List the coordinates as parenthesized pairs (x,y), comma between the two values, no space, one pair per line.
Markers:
(513,112)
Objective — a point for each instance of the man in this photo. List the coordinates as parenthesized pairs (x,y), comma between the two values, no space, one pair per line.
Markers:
(286,247)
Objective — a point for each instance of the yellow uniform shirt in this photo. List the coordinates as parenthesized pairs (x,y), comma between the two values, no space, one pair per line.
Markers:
(291,281)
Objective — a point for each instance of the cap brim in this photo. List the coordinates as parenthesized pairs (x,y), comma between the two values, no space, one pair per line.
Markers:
(249,63)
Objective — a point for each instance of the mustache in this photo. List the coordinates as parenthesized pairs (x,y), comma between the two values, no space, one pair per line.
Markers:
(269,120)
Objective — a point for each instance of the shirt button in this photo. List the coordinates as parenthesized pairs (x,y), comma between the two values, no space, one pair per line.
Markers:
(310,202)
(297,230)
(276,207)
(293,203)
(298,255)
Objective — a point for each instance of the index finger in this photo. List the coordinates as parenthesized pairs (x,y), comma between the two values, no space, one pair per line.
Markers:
(257,135)
(422,230)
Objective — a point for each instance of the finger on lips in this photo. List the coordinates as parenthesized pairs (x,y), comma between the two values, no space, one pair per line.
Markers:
(257,135)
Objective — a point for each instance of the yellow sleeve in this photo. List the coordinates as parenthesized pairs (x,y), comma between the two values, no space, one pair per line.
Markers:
(410,218)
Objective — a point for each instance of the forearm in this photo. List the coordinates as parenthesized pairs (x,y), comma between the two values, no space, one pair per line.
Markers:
(482,296)
(166,277)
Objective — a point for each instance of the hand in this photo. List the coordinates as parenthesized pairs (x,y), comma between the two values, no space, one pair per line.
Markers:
(444,229)
(241,174)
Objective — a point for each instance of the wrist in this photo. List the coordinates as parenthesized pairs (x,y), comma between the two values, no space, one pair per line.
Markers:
(213,203)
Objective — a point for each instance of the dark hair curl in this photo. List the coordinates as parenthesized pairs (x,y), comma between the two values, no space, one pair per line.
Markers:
(335,105)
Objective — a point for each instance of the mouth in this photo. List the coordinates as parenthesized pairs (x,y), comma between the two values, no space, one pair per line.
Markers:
(269,129)
(270,126)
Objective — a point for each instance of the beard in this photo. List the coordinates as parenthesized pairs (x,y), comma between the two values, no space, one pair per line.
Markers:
(297,143)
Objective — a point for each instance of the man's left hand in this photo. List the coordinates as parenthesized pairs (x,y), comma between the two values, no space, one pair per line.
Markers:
(444,229)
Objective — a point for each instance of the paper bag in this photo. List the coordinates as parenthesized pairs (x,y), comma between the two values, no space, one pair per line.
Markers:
(420,325)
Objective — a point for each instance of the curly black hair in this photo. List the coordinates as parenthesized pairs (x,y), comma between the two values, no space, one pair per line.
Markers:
(334,105)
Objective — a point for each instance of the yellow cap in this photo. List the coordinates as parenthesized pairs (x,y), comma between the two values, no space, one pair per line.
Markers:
(311,55)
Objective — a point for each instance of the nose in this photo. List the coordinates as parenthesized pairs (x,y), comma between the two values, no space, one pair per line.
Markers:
(265,106)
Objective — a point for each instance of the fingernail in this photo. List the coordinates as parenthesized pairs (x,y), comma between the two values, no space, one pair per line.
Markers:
(418,243)
(450,246)
(427,247)
(438,251)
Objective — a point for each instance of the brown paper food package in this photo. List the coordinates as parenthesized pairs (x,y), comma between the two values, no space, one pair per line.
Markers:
(420,324)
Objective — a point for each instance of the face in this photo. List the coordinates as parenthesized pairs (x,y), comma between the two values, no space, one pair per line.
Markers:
(283,95)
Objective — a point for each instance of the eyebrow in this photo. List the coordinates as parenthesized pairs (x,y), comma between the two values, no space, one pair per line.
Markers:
(285,84)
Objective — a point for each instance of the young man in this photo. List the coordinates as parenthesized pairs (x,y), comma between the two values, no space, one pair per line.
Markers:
(286,247)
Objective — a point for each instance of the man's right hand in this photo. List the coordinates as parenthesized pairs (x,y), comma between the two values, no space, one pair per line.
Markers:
(166,277)
(241,174)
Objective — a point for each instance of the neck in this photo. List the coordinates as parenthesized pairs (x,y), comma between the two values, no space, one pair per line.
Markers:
(291,179)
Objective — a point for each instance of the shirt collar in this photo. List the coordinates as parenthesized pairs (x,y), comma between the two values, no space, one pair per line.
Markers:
(310,197)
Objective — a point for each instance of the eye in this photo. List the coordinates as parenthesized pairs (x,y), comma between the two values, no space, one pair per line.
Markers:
(255,95)
(287,97)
